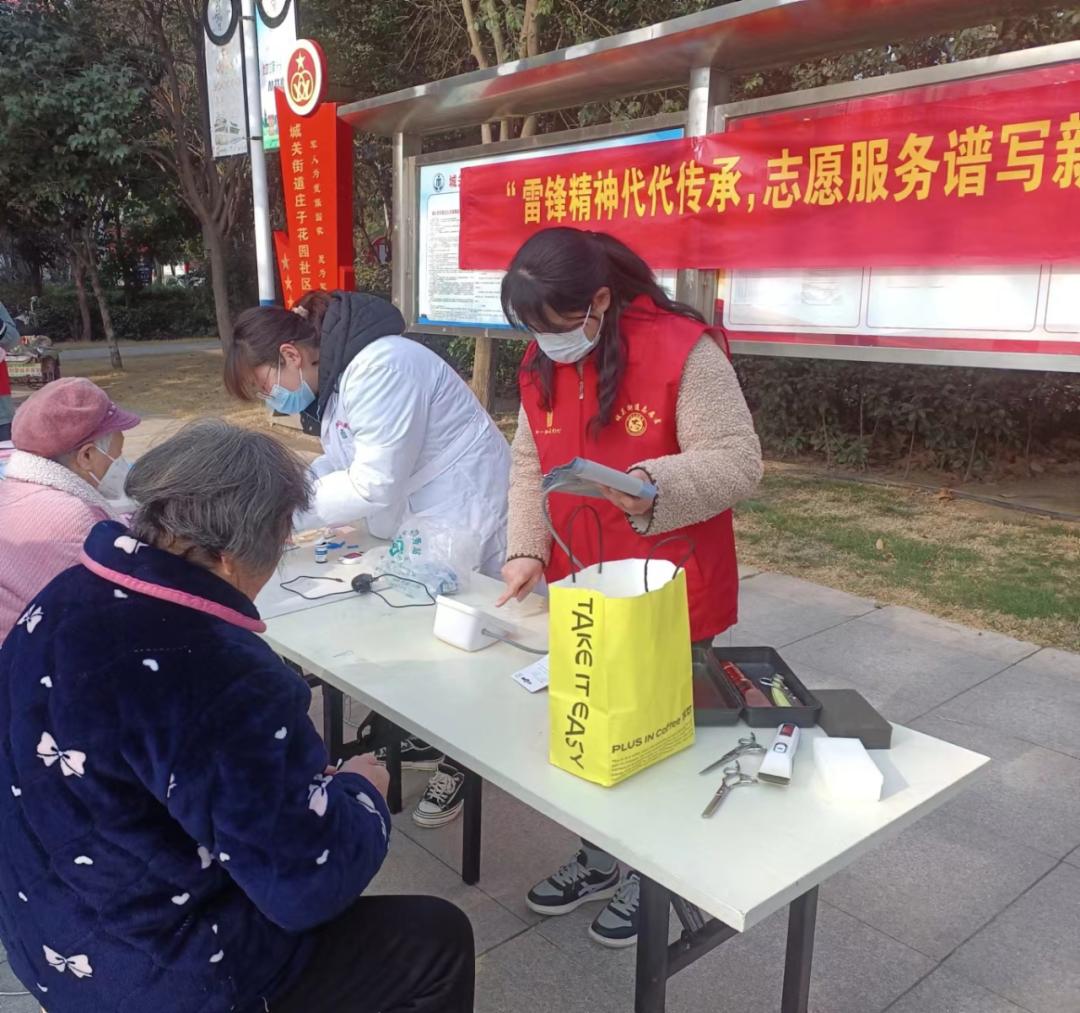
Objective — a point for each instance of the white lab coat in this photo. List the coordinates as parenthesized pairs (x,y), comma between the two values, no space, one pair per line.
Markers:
(403,434)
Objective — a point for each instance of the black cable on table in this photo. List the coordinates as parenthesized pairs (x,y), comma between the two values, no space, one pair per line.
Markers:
(361,584)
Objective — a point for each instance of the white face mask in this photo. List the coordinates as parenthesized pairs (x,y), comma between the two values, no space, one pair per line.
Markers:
(111,484)
(568,346)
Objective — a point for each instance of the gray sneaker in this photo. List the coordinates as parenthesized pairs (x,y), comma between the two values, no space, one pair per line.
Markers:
(617,925)
(573,885)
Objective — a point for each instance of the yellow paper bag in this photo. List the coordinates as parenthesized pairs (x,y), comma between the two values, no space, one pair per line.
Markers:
(621,689)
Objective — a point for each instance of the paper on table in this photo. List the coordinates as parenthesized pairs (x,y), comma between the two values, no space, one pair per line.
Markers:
(534,677)
(336,531)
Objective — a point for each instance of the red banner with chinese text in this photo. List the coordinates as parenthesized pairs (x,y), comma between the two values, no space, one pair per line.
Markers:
(980,171)
(317,180)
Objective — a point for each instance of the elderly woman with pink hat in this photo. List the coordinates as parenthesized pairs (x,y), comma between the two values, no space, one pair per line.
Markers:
(66,474)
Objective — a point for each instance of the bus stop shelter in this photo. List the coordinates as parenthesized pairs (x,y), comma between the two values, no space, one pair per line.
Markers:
(702,52)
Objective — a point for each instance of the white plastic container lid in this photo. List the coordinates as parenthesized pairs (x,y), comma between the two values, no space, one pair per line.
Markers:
(847,771)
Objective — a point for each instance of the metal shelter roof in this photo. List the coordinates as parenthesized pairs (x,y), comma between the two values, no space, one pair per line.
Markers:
(742,36)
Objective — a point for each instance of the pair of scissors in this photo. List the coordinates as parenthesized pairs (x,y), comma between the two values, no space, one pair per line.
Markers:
(733,778)
(778,690)
(747,744)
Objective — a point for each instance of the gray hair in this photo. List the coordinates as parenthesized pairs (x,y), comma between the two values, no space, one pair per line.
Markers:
(221,489)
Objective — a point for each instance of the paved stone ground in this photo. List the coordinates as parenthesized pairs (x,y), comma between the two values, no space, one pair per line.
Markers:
(975,909)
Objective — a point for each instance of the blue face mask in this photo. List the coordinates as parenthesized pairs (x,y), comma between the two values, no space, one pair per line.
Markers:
(289,402)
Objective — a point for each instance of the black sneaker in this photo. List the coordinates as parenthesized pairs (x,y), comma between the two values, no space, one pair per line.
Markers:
(372,731)
(573,885)
(617,925)
(443,800)
(415,754)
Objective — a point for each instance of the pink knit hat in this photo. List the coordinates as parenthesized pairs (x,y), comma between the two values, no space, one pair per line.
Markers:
(65,415)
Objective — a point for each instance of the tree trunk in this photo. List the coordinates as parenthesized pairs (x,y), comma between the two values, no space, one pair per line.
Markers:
(485,364)
(36,278)
(473,31)
(529,46)
(78,276)
(103,307)
(214,243)
(502,55)
(209,190)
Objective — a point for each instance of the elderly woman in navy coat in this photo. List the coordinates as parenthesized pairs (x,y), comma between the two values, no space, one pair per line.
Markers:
(172,834)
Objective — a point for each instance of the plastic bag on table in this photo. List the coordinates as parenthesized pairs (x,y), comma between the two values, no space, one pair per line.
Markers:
(432,552)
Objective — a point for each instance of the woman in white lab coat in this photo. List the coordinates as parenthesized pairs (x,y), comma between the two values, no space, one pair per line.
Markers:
(401,434)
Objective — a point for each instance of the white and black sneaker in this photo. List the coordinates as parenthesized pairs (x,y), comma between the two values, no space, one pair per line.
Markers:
(443,800)
(573,885)
(617,925)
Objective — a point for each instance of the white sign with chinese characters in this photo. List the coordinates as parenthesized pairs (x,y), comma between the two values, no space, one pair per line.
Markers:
(225,95)
(276,45)
(448,296)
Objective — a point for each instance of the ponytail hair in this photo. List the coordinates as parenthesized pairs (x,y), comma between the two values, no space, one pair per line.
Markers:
(556,273)
(259,333)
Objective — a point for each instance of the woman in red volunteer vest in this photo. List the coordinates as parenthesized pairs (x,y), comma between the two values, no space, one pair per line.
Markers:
(621,374)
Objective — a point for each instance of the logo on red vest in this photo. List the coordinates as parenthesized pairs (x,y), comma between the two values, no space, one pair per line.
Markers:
(550,429)
(636,418)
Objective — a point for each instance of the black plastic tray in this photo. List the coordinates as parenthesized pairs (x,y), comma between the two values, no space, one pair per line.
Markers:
(757,663)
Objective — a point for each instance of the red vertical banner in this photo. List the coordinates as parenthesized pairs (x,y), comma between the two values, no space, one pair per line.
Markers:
(316,250)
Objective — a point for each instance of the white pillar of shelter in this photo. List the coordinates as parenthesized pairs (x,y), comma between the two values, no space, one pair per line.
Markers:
(403,275)
(260,197)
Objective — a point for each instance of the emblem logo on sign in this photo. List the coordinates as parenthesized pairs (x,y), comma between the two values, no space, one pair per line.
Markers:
(305,77)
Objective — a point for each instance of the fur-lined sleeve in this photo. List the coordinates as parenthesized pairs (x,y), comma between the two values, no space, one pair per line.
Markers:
(527,534)
(720,457)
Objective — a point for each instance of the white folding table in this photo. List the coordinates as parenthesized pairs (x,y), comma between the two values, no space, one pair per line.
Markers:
(766,848)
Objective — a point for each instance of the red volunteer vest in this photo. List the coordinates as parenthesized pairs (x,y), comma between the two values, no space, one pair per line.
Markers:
(5,379)
(642,428)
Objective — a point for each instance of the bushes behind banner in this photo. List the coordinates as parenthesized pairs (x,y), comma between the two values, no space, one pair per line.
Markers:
(459,353)
(973,422)
(853,415)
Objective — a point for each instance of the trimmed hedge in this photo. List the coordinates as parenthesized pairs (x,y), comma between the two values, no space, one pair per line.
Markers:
(968,421)
(146,315)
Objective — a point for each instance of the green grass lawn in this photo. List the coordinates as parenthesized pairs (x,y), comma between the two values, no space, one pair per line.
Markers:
(986,567)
